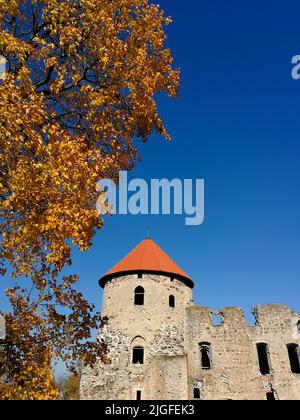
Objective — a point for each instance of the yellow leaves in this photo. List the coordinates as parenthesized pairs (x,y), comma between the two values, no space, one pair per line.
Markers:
(36,383)
(27,364)
(71,386)
(80,86)
(9,7)
(50,62)
(11,45)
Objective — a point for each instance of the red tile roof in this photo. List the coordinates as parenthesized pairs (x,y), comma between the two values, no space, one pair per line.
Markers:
(147,256)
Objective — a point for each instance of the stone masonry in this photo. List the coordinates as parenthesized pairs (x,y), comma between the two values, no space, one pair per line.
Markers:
(173,338)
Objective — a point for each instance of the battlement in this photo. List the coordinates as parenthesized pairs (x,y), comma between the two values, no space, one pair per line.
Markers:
(266,316)
(231,349)
(205,315)
(211,351)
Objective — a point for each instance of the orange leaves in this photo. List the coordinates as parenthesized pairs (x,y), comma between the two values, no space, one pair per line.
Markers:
(79,91)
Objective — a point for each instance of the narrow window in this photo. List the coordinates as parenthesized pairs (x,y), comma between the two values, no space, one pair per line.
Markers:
(138,355)
(293,350)
(139,294)
(298,326)
(140,275)
(172,301)
(270,396)
(197,393)
(263,359)
(205,356)
(138,395)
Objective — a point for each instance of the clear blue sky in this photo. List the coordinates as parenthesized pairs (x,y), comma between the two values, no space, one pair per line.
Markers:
(236,124)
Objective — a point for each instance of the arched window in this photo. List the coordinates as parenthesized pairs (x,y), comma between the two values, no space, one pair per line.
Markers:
(139,294)
(263,358)
(138,355)
(205,355)
(172,301)
(293,351)
(196,393)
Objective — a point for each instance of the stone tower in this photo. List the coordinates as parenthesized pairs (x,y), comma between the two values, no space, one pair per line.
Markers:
(145,297)
(163,347)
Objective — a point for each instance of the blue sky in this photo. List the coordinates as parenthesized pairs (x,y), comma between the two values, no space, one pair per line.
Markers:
(236,124)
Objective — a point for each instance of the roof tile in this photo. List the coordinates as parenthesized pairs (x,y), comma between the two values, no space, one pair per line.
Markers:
(146,256)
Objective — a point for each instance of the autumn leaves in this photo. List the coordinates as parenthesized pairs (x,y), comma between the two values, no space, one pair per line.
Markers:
(79,89)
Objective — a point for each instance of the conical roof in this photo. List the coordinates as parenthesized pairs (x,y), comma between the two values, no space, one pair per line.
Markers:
(147,256)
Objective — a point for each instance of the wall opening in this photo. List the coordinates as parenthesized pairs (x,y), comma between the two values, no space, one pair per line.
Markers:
(298,326)
(196,393)
(138,395)
(138,355)
(250,317)
(270,396)
(139,296)
(140,275)
(172,301)
(293,350)
(263,358)
(205,355)
(216,319)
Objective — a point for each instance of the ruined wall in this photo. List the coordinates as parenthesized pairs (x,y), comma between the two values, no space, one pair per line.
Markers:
(232,365)
(235,372)
(278,325)
(171,337)
(110,380)
(160,377)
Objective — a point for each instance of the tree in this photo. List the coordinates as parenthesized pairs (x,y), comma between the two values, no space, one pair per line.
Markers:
(79,93)
(70,390)
(69,385)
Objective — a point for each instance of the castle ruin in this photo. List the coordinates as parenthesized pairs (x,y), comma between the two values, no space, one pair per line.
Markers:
(163,347)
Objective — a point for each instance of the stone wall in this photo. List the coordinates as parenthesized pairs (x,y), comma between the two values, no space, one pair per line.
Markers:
(145,321)
(171,337)
(160,377)
(231,360)
(155,326)
(235,372)
(278,326)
